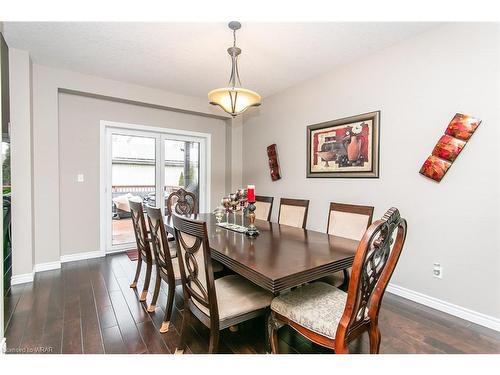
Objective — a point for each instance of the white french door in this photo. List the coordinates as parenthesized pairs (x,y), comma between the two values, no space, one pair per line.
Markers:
(147,163)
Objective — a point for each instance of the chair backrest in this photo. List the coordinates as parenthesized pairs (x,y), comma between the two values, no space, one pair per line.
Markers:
(159,241)
(349,220)
(264,207)
(183,202)
(140,231)
(195,265)
(293,212)
(374,263)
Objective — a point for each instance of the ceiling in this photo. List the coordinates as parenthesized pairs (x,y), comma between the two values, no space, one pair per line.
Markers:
(191,58)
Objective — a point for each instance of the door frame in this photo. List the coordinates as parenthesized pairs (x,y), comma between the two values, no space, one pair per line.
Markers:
(160,134)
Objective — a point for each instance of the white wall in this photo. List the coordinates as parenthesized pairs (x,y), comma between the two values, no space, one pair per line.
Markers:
(418,86)
(79,152)
(20,119)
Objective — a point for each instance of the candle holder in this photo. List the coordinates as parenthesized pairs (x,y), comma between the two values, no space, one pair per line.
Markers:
(252,229)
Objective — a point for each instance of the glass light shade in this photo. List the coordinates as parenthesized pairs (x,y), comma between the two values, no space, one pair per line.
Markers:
(234,100)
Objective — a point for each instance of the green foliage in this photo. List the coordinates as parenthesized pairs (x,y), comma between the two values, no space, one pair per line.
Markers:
(6,169)
(181,179)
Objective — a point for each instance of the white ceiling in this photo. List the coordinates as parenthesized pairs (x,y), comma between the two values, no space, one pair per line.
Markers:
(191,58)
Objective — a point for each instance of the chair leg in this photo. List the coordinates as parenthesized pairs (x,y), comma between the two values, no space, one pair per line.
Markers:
(374,339)
(137,273)
(152,306)
(341,348)
(149,266)
(345,283)
(214,341)
(168,310)
(272,331)
(185,322)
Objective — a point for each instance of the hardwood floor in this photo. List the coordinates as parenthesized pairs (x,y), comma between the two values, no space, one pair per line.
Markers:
(88,307)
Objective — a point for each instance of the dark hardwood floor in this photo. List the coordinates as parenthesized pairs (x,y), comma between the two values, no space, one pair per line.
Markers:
(88,307)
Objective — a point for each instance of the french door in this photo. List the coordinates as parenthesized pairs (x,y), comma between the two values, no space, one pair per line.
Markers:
(148,164)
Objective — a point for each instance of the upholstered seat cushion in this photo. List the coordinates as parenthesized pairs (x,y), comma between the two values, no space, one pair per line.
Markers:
(237,296)
(316,306)
(216,266)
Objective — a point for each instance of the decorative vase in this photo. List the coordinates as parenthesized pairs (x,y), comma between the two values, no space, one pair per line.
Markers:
(354,148)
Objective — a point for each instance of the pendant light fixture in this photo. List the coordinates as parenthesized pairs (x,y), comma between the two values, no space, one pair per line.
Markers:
(234,99)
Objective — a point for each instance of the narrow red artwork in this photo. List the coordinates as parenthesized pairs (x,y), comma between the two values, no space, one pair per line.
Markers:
(435,168)
(458,132)
(462,126)
(448,148)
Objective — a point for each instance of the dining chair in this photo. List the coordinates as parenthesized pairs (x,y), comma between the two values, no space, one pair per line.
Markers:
(182,202)
(263,207)
(167,267)
(142,240)
(293,212)
(217,303)
(348,221)
(332,318)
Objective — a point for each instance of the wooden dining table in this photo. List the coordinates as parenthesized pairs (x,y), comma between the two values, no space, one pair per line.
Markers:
(280,257)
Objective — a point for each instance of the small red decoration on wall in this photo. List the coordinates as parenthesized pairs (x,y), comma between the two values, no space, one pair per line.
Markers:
(458,132)
(274,167)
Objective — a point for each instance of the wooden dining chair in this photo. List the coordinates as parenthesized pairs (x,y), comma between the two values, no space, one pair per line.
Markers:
(183,203)
(263,207)
(332,318)
(293,212)
(348,221)
(167,268)
(219,303)
(142,240)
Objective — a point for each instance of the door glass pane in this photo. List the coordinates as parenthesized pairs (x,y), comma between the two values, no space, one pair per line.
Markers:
(182,167)
(133,173)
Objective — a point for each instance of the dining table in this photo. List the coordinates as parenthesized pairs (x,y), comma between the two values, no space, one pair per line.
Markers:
(280,257)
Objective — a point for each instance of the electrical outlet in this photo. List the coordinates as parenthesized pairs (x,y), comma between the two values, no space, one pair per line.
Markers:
(80,178)
(437,271)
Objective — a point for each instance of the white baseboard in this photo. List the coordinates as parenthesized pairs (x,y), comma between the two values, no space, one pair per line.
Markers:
(3,345)
(49,266)
(81,256)
(21,279)
(116,251)
(40,267)
(449,308)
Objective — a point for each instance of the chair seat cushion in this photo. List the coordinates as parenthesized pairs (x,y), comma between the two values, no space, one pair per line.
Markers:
(317,306)
(236,296)
(216,266)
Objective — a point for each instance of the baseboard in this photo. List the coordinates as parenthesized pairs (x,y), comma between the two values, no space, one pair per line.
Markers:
(81,256)
(116,251)
(449,308)
(40,267)
(22,279)
(3,345)
(49,266)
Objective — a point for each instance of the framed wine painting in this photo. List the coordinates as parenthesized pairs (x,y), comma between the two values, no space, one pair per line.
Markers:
(346,148)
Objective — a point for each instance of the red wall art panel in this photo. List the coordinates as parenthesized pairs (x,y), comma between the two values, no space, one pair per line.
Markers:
(458,132)
(274,168)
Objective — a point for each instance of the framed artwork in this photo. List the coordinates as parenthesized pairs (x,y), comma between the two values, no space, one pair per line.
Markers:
(346,148)
(456,135)
(274,167)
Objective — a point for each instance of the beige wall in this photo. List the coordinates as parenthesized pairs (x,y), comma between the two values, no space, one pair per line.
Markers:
(20,119)
(418,86)
(46,82)
(79,152)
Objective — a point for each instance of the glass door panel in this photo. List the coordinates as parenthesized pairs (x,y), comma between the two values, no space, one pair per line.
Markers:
(182,167)
(133,176)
